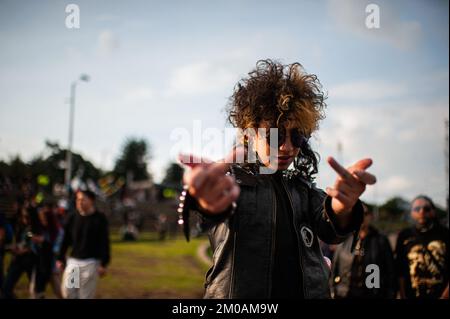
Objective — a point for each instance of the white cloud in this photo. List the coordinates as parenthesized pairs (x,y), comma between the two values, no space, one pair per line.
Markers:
(404,139)
(139,95)
(367,90)
(107,43)
(73,54)
(107,17)
(396,184)
(14,144)
(350,16)
(202,77)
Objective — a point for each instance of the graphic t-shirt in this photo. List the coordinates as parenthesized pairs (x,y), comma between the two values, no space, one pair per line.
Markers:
(422,260)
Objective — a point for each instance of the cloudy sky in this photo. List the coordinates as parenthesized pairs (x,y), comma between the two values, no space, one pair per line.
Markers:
(156,66)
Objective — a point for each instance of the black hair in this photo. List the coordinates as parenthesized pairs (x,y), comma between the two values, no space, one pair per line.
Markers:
(424,197)
(49,203)
(90,194)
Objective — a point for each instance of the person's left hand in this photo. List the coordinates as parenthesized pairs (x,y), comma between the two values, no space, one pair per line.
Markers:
(101,271)
(59,265)
(38,239)
(349,185)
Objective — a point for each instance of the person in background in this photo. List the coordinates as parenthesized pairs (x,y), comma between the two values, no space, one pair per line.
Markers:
(422,254)
(86,231)
(162,227)
(349,268)
(23,255)
(48,233)
(2,247)
(60,218)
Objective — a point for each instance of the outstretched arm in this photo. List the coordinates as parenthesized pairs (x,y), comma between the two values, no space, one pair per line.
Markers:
(209,183)
(348,187)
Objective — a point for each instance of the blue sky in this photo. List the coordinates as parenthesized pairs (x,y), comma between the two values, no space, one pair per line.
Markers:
(160,65)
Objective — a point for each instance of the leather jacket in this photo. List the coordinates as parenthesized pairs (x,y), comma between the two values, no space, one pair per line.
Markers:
(375,249)
(243,240)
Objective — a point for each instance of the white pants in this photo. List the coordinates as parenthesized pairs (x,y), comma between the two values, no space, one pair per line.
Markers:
(80,279)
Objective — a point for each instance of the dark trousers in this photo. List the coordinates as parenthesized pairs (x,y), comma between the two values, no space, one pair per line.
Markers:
(44,267)
(2,255)
(19,264)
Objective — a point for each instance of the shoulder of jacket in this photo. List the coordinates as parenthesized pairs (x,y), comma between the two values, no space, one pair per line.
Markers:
(404,232)
(297,176)
(243,175)
(101,216)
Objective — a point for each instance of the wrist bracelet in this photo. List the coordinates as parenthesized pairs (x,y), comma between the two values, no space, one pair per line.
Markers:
(181,204)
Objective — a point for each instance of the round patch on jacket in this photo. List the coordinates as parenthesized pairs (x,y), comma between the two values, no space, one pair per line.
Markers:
(307,236)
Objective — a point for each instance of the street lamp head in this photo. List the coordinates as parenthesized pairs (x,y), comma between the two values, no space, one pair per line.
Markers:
(84,77)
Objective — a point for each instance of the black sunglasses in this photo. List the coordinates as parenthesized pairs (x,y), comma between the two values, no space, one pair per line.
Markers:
(297,139)
(425,208)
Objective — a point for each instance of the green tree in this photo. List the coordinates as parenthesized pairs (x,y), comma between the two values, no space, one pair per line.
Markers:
(174,176)
(18,170)
(394,208)
(133,160)
(48,168)
(53,165)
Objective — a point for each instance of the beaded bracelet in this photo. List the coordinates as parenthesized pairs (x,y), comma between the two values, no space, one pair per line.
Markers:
(182,204)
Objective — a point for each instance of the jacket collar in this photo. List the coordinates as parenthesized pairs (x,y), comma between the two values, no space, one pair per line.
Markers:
(249,176)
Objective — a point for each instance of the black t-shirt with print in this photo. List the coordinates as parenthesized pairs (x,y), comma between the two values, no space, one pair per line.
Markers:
(422,260)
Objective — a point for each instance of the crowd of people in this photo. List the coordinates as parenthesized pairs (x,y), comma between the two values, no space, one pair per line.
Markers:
(264,229)
(417,267)
(265,217)
(31,236)
(38,237)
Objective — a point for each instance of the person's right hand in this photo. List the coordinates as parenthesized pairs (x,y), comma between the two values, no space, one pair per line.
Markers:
(38,239)
(13,249)
(101,271)
(208,183)
(59,265)
(19,250)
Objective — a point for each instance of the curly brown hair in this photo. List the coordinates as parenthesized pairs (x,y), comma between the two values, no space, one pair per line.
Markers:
(283,96)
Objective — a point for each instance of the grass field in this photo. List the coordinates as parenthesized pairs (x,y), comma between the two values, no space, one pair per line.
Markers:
(147,269)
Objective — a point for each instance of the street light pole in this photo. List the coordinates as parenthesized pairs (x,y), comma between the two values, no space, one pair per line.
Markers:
(68,172)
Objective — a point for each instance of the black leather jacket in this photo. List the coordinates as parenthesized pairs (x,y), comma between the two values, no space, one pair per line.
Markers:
(243,240)
(375,250)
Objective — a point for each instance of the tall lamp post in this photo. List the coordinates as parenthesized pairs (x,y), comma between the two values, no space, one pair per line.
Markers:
(68,172)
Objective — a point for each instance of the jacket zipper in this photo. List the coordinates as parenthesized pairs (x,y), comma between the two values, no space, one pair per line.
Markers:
(298,238)
(231,290)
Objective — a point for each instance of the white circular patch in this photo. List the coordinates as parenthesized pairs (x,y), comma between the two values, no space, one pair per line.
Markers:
(307,236)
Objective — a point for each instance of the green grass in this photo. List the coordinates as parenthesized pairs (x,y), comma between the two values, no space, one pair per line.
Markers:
(148,269)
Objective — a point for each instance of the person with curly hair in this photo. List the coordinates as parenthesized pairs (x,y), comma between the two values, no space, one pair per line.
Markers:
(264,217)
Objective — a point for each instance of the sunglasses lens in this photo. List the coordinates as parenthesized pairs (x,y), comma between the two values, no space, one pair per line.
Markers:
(297,139)
(281,137)
(426,209)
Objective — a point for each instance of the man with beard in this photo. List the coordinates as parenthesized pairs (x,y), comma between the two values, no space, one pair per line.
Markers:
(422,254)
